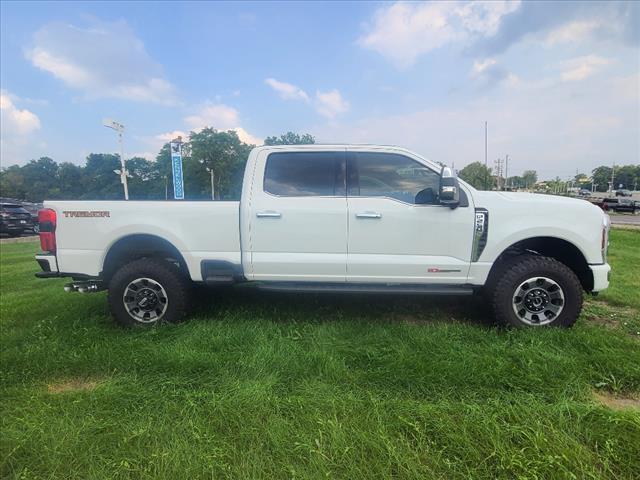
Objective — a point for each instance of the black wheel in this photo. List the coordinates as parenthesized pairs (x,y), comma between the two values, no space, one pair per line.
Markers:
(536,291)
(147,292)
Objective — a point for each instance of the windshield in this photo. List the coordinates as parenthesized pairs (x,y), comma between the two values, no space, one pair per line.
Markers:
(13,209)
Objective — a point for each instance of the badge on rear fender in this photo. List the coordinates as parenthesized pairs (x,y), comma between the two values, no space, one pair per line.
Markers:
(86,213)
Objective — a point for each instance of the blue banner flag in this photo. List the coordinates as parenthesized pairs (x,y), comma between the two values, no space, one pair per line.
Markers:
(176,161)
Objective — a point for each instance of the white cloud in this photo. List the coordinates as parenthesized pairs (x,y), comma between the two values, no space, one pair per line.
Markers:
(166,137)
(246,137)
(330,104)
(571,32)
(403,32)
(16,121)
(578,69)
(216,115)
(480,67)
(102,60)
(16,129)
(286,90)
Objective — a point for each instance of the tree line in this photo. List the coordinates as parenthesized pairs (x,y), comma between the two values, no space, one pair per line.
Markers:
(221,152)
(224,154)
(482,178)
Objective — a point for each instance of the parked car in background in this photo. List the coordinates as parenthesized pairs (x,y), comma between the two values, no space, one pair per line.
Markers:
(584,192)
(626,205)
(618,205)
(14,219)
(624,193)
(33,209)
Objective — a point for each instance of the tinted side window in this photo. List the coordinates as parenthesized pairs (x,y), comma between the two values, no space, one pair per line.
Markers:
(304,174)
(391,175)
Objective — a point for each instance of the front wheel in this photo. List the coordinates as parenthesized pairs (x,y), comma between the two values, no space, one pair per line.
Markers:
(536,291)
(148,291)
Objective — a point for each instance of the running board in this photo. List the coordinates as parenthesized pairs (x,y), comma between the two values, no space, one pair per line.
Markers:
(392,288)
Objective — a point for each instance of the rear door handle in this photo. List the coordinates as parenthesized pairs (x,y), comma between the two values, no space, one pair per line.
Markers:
(368,215)
(269,214)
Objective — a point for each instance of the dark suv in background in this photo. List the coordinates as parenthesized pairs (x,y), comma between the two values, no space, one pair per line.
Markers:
(14,219)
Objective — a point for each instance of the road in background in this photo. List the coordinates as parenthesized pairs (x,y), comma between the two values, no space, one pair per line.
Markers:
(620,219)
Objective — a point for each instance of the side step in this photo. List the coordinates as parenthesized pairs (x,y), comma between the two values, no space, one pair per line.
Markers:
(388,288)
(219,272)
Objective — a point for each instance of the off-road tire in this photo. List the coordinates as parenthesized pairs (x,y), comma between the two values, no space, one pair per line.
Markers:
(173,281)
(524,267)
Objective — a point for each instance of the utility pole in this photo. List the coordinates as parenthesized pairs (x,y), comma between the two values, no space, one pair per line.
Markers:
(498,164)
(613,169)
(118,127)
(485,155)
(506,172)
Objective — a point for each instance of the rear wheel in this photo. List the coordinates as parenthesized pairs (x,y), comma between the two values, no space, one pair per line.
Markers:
(147,292)
(536,291)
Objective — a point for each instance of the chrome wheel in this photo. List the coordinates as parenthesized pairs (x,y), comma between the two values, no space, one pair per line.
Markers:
(538,301)
(145,300)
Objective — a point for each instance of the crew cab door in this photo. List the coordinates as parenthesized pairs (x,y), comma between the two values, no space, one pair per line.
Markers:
(298,216)
(394,238)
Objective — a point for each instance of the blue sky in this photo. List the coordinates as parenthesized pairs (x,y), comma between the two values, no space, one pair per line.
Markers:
(559,83)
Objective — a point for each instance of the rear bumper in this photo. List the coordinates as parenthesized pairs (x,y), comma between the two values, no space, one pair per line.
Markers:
(48,264)
(600,276)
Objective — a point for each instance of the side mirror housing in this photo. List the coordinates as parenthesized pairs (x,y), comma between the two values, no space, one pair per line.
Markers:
(449,188)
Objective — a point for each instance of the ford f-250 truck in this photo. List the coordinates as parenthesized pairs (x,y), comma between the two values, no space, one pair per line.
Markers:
(335,219)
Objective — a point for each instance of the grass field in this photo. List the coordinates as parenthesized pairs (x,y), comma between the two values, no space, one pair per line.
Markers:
(261,385)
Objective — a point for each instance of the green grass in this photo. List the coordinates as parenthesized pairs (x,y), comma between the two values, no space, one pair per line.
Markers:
(261,385)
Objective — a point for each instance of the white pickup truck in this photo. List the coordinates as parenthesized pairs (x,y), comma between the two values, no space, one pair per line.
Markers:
(334,218)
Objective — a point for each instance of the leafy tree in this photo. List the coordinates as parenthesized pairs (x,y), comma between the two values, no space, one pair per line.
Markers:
(601,176)
(70,182)
(477,175)
(39,178)
(529,177)
(99,180)
(224,154)
(144,179)
(291,138)
(164,171)
(12,183)
(515,182)
(628,176)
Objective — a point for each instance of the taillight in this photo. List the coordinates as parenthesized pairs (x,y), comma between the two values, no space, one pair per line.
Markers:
(47,221)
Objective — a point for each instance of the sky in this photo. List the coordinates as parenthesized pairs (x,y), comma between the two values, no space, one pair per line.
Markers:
(558,83)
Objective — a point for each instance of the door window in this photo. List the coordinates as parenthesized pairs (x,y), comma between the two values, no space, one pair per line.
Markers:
(304,174)
(372,174)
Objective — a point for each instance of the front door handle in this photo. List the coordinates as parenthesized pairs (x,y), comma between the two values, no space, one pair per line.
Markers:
(368,215)
(269,214)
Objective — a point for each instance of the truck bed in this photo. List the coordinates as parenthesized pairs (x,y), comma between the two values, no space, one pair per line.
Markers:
(199,230)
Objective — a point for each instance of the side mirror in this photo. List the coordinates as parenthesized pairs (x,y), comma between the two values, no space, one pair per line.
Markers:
(449,188)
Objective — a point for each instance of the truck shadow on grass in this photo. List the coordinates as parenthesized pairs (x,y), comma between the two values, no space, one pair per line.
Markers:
(249,304)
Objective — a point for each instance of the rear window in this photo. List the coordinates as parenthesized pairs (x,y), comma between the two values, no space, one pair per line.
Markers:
(305,174)
(13,209)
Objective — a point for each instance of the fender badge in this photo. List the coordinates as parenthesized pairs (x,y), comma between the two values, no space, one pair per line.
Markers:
(86,213)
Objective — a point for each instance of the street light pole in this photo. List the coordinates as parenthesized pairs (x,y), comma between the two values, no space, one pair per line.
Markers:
(119,128)
(213,192)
